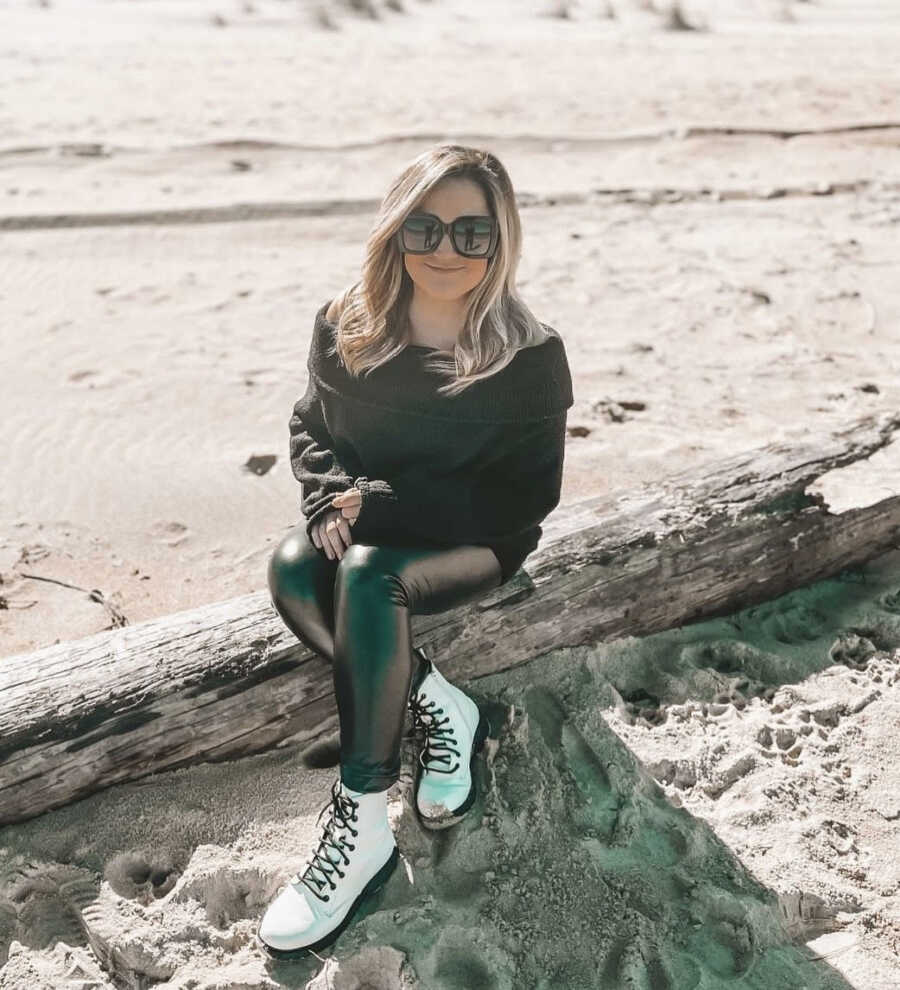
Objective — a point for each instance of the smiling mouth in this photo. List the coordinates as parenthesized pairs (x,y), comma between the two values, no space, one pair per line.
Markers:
(435,268)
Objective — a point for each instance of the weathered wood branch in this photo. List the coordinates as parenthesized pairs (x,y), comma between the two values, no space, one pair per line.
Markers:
(225,680)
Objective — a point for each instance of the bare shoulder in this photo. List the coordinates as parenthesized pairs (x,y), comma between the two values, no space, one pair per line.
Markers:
(333,312)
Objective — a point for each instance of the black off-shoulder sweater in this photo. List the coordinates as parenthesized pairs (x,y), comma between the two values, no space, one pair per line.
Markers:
(484,467)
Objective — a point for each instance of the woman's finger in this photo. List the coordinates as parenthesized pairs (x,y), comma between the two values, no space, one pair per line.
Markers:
(323,544)
(351,513)
(333,535)
(325,540)
(352,496)
(344,529)
(348,503)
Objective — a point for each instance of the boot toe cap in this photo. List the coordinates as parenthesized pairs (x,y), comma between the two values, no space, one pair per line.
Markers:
(439,804)
(287,921)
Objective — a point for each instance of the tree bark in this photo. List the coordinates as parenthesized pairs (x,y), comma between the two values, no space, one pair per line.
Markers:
(229,679)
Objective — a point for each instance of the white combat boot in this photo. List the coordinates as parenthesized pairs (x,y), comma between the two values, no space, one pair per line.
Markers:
(455,731)
(356,855)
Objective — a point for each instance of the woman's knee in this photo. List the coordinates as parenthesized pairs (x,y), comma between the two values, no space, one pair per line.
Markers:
(292,564)
(368,566)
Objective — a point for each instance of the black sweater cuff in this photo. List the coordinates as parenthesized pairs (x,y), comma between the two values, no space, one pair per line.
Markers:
(378,510)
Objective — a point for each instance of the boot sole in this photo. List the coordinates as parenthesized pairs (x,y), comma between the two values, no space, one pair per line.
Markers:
(378,880)
(436,824)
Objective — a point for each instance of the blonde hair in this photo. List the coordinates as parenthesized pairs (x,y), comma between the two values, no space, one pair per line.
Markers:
(373,324)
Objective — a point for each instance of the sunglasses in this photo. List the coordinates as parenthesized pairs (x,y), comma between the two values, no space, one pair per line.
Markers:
(471,236)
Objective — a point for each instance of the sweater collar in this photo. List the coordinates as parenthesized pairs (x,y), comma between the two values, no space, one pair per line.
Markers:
(536,384)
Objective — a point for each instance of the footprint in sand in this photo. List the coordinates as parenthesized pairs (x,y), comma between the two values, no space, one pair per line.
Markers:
(787,620)
(852,650)
(172,533)
(641,704)
(806,915)
(41,903)
(785,737)
(228,894)
(142,876)
(629,964)
(92,379)
(124,936)
(261,376)
(890,602)
(598,806)
(458,968)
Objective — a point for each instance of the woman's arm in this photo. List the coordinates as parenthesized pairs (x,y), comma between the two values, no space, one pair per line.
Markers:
(322,473)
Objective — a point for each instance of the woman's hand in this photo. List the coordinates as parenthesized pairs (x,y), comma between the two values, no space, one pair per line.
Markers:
(349,502)
(332,532)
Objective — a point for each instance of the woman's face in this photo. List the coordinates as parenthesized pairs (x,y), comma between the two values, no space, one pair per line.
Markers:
(453,198)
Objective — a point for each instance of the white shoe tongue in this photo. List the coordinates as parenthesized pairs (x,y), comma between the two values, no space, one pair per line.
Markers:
(334,856)
(339,832)
(319,871)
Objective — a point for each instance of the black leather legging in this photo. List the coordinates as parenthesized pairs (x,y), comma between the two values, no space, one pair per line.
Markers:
(355,612)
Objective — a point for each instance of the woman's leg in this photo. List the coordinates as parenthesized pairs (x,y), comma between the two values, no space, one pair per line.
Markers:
(301,583)
(366,599)
(377,589)
(355,612)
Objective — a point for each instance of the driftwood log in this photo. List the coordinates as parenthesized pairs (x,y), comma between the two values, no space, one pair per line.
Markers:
(226,680)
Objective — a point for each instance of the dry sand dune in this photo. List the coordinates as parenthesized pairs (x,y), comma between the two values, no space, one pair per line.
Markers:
(711,223)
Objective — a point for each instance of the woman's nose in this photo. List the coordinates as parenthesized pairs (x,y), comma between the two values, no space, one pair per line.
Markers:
(445,248)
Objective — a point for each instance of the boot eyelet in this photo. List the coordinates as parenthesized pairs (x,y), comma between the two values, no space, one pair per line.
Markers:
(341,874)
(326,897)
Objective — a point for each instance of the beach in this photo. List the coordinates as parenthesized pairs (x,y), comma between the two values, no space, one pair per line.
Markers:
(710,222)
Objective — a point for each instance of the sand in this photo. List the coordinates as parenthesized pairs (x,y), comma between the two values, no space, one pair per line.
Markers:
(178,202)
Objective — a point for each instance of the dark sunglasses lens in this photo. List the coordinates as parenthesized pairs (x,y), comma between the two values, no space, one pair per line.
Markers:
(420,234)
(472,236)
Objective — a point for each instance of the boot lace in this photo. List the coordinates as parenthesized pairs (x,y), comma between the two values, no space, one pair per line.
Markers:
(343,811)
(439,738)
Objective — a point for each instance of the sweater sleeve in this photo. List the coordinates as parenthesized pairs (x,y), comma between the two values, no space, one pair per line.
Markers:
(323,473)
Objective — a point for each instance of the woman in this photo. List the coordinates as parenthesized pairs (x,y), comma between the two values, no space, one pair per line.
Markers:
(429,446)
